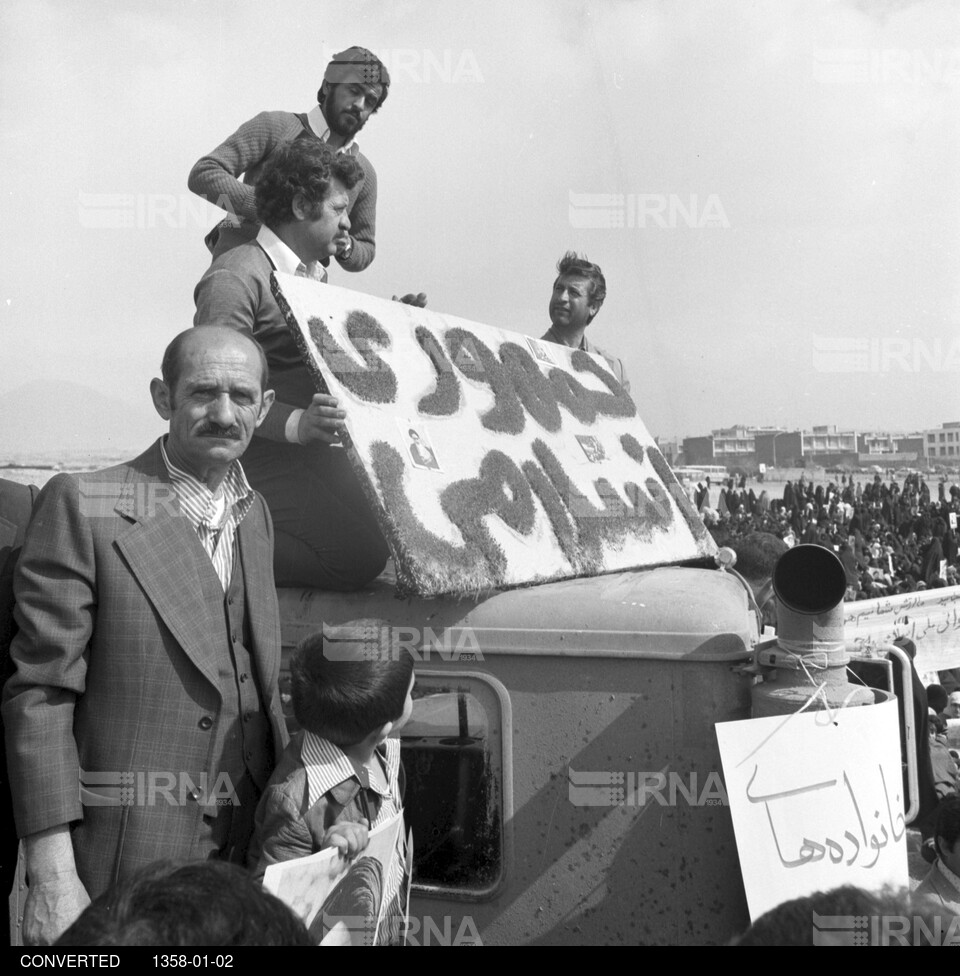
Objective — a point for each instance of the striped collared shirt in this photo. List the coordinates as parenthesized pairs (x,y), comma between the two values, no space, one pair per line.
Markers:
(327,766)
(215,515)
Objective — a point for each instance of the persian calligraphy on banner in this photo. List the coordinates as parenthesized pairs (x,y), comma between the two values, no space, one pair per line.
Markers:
(930,618)
(492,460)
(816,800)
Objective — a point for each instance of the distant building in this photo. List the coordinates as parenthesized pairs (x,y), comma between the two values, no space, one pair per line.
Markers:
(735,447)
(780,448)
(742,446)
(889,449)
(733,444)
(698,450)
(827,440)
(941,445)
(876,443)
(910,444)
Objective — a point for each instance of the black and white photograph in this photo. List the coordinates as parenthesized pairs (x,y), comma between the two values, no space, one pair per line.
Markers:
(597,359)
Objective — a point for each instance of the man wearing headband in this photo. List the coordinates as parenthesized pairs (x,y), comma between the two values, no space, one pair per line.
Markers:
(355,85)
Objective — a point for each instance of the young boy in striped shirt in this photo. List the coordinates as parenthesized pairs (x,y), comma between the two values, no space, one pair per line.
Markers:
(340,777)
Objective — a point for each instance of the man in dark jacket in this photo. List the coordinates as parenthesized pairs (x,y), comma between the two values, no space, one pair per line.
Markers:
(16,503)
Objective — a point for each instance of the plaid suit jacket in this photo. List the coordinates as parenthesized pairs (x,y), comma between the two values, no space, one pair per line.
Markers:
(120,615)
(16,503)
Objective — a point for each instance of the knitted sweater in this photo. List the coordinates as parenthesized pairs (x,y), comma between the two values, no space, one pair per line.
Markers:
(216,177)
(615,364)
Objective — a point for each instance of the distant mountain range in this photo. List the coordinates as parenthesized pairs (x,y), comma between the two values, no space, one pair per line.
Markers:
(57,419)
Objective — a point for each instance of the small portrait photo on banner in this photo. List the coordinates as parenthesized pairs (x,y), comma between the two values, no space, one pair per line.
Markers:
(592,448)
(540,351)
(422,454)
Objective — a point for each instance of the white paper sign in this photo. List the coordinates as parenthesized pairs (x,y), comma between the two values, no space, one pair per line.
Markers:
(817,802)
(340,901)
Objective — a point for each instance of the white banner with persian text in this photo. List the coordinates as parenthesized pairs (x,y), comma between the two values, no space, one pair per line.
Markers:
(817,802)
(930,618)
(492,459)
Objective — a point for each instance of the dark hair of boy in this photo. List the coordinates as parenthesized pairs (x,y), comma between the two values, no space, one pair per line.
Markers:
(947,828)
(349,681)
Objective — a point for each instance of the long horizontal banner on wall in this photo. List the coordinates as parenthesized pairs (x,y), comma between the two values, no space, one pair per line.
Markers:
(929,618)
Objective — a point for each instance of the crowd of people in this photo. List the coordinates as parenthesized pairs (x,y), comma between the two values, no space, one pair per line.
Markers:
(890,537)
(145,649)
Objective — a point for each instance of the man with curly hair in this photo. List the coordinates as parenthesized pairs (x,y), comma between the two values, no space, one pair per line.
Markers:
(355,86)
(326,534)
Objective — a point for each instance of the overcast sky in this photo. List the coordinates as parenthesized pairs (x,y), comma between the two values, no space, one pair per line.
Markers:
(771,188)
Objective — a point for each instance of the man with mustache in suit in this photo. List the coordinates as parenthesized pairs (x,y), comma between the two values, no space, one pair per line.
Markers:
(144,718)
